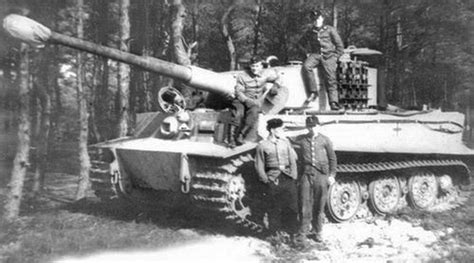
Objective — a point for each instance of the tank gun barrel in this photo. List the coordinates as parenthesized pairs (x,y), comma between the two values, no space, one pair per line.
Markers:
(36,34)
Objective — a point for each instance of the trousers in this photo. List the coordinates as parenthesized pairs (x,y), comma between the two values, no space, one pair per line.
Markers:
(327,72)
(245,117)
(313,197)
(282,200)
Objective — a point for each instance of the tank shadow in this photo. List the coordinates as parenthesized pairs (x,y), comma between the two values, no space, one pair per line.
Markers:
(182,216)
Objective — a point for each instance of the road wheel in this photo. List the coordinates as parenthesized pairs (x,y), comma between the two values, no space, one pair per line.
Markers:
(422,189)
(344,200)
(384,193)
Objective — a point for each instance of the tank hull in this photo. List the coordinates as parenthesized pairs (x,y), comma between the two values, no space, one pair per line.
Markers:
(375,152)
(432,132)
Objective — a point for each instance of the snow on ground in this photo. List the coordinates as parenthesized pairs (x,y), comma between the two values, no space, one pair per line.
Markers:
(209,249)
(380,241)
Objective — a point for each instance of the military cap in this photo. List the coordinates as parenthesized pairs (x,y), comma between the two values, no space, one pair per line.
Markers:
(274,123)
(315,13)
(312,121)
(255,59)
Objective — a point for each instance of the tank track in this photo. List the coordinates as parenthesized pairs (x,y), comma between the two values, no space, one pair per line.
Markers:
(211,187)
(402,172)
(387,166)
(220,190)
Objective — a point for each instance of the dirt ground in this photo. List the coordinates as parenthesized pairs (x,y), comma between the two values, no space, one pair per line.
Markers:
(53,228)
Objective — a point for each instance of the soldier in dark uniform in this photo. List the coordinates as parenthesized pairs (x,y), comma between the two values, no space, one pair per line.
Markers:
(247,104)
(319,162)
(275,162)
(323,47)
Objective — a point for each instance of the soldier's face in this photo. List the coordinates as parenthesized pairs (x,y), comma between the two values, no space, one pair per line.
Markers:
(319,21)
(277,132)
(256,68)
(315,129)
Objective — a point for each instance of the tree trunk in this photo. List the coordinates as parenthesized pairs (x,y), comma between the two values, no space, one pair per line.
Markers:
(228,38)
(20,163)
(56,124)
(57,93)
(180,48)
(44,82)
(94,130)
(178,13)
(124,70)
(101,96)
(84,163)
(258,22)
(145,82)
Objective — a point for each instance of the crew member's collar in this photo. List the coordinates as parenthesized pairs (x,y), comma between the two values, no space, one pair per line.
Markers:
(318,28)
(255,75)
(273,139)
(314,135)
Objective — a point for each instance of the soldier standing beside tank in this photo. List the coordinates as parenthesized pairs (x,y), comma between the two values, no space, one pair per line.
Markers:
(319,169)
(275,162)
(247,104)
(323,47)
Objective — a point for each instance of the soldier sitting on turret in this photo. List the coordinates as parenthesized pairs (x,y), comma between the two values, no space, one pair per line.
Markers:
(248,101)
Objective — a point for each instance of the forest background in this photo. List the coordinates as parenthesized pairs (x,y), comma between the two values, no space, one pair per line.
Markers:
(59,96)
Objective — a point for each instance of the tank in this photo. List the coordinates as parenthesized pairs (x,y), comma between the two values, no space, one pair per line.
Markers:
(387,159)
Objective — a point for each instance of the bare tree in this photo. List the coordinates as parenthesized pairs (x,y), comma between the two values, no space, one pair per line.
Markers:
(258,24)
(228,38)
(180,49)
(84,163)
(43,83)
(124,70)
(100,80)
(21,161)
(179,45)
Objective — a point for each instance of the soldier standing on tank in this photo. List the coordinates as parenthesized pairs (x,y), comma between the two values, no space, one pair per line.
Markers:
(275,162)
(319,162)
(323,47)
(246,106)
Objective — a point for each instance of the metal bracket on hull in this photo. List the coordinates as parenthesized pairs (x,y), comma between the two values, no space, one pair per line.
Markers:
(184,175)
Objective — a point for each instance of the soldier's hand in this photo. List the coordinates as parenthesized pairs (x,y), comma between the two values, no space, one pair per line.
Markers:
(273,91)
(311,97)
(331,180)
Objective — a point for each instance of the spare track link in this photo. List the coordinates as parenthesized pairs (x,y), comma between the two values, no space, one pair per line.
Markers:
(209,190)
(396,165)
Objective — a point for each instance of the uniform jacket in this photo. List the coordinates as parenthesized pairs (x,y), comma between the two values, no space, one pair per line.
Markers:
(325,41)
(251,87)
(274,157)
(316,153)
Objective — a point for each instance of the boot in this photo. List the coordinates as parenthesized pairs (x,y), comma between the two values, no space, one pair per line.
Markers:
(301,242)
(240,139)
(316,236)
(334,106)
(231,134)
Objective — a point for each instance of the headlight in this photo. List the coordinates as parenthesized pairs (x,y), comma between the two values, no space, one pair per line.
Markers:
(169,126)
(183,116)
